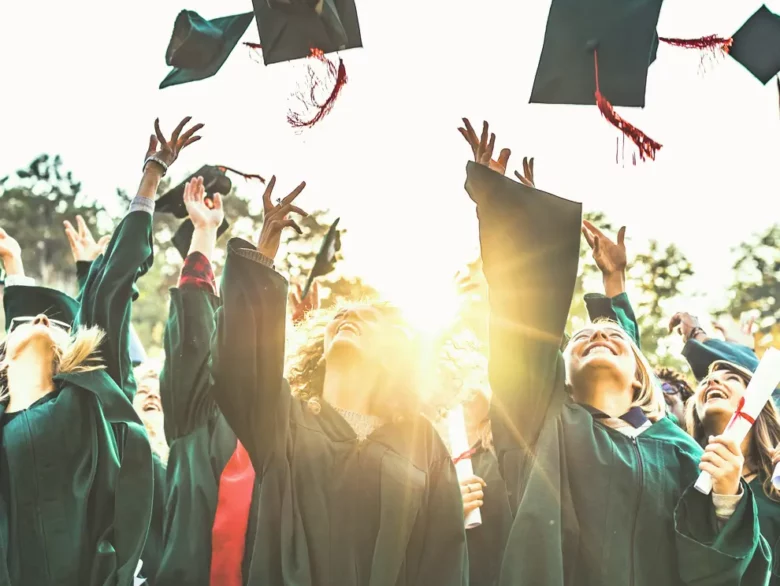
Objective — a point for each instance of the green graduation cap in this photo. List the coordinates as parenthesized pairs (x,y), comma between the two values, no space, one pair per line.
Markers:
(326,257)
(24,301)
(756,45)
(290,29)
(214,181)
(619,35)
(199,47)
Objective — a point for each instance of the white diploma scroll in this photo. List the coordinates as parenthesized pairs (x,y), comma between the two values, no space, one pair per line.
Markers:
(758,392)
(459,444)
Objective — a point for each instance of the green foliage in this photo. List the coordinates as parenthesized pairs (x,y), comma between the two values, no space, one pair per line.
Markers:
(757,278)
(36,201)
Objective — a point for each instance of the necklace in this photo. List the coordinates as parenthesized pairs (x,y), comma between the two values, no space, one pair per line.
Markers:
(362,425)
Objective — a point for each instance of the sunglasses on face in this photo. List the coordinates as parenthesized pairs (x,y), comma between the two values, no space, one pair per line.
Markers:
(54,323)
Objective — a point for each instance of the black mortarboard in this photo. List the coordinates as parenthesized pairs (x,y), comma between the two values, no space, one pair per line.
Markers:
(622,33)
(290,29)
(214,181)
(326,257)
(757,45)
(198,47)
(28,301)
(183,236)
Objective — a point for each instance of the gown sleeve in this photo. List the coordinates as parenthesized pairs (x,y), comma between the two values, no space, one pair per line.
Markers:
(617,309)
(107,295)
(248,352)
(82,272)
(735,554)
(530,251)
(185,381)
(701,354)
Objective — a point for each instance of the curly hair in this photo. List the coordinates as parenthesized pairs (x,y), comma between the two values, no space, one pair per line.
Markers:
(677,379)
(306,363)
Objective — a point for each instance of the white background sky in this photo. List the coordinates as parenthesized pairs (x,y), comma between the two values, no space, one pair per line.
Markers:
(80,79)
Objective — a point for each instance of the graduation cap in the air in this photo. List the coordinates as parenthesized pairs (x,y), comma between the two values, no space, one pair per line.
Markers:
(199,47)
(214,181)
(326,257)
(298,29)
(597,52)
(756,45)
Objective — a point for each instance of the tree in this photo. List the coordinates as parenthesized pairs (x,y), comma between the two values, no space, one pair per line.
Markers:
(34,205)
(757,285)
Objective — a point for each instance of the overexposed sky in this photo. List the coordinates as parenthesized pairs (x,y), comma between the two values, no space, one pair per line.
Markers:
(80,79)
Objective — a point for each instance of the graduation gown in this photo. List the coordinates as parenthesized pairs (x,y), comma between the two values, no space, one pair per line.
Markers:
(486,543)
(76,466)
(332,510)
(591,506)
(153,549)
(200,440)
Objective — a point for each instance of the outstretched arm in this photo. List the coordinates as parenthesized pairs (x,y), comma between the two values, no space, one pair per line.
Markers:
(107,294)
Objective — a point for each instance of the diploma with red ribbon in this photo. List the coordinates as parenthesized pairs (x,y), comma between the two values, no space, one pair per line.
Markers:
(759,390)
(462,452)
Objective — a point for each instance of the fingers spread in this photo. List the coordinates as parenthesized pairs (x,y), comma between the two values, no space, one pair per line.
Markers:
(158,132)
(269,189)
(178,129)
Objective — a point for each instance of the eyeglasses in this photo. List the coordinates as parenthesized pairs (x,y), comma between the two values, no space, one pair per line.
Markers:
(670,389)
(55,323)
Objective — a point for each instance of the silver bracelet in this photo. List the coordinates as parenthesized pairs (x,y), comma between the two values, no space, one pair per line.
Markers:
(159,161)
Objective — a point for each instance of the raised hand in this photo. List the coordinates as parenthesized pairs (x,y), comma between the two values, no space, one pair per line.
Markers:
(686,325)
(275,219)
(472,493)
(82,244)
(300,307)
(527,178)
(610,256)
(205,213)
(10,251)
(723,459)
(483,147)
(165,152)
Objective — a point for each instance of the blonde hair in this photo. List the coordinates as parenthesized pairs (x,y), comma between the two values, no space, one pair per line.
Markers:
(648,396)
(80,354)
(764,438)
(305,365)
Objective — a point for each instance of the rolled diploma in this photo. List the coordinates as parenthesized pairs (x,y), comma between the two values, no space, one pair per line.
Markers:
(758,392)
(459,444)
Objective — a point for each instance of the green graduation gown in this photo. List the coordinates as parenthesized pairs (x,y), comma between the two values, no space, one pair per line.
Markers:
(769,520)
(153,549)
(486,543)
(332,510)
(76,466)
(200,440)
(591,505)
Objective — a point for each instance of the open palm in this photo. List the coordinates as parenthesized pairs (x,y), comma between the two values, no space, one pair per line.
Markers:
(205,213)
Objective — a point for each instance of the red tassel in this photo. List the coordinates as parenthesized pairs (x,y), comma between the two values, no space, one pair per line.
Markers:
(246,176)
(646,145)
(309,99)
(710,42)
(255,46)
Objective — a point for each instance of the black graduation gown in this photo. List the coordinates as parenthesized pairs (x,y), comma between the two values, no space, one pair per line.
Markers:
(332,509)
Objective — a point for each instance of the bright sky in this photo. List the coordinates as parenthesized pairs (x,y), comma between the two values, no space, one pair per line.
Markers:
(82,82)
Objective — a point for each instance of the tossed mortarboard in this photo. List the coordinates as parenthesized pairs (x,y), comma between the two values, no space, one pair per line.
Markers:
(298,29)
(326,257)
(198,47)
(214,181)
(756,45)
(597,52)
(290,29)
